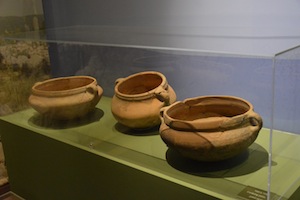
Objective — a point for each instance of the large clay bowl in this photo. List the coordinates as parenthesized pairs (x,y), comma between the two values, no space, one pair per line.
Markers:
(210,128)
(139,97)
(65,98)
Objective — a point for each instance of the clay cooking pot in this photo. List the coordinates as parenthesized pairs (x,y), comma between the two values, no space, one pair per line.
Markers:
(210,128)
(139,97)
(65,97)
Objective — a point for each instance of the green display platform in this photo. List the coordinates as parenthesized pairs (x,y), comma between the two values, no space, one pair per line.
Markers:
(97,158)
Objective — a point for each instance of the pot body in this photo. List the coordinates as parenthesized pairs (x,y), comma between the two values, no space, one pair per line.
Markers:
(210,128)
(138,99)
(65,98)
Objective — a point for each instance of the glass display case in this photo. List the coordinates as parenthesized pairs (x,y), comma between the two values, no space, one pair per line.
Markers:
(202,47)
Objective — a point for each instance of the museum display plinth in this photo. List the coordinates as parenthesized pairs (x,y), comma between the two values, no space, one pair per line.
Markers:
(97,158)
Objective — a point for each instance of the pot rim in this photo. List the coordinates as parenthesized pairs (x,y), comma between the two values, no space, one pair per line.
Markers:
(144,95)
(209,122)
(55,93)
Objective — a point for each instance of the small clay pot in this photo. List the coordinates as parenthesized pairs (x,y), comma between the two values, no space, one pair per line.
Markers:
(210,128)
(65,98)
(139,97)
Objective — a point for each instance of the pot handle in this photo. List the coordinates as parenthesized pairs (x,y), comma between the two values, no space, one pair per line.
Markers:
(162,95)
(161,113)
(95,89)
(119,80)
(163,125)
(99,90)
(255,120)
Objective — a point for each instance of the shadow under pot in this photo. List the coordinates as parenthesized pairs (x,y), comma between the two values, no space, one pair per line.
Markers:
(65,98)
(139,97)
(210,128)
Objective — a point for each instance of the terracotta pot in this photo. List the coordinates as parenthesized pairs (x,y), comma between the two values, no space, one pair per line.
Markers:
(65,97)
(210,128)
(138,99)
